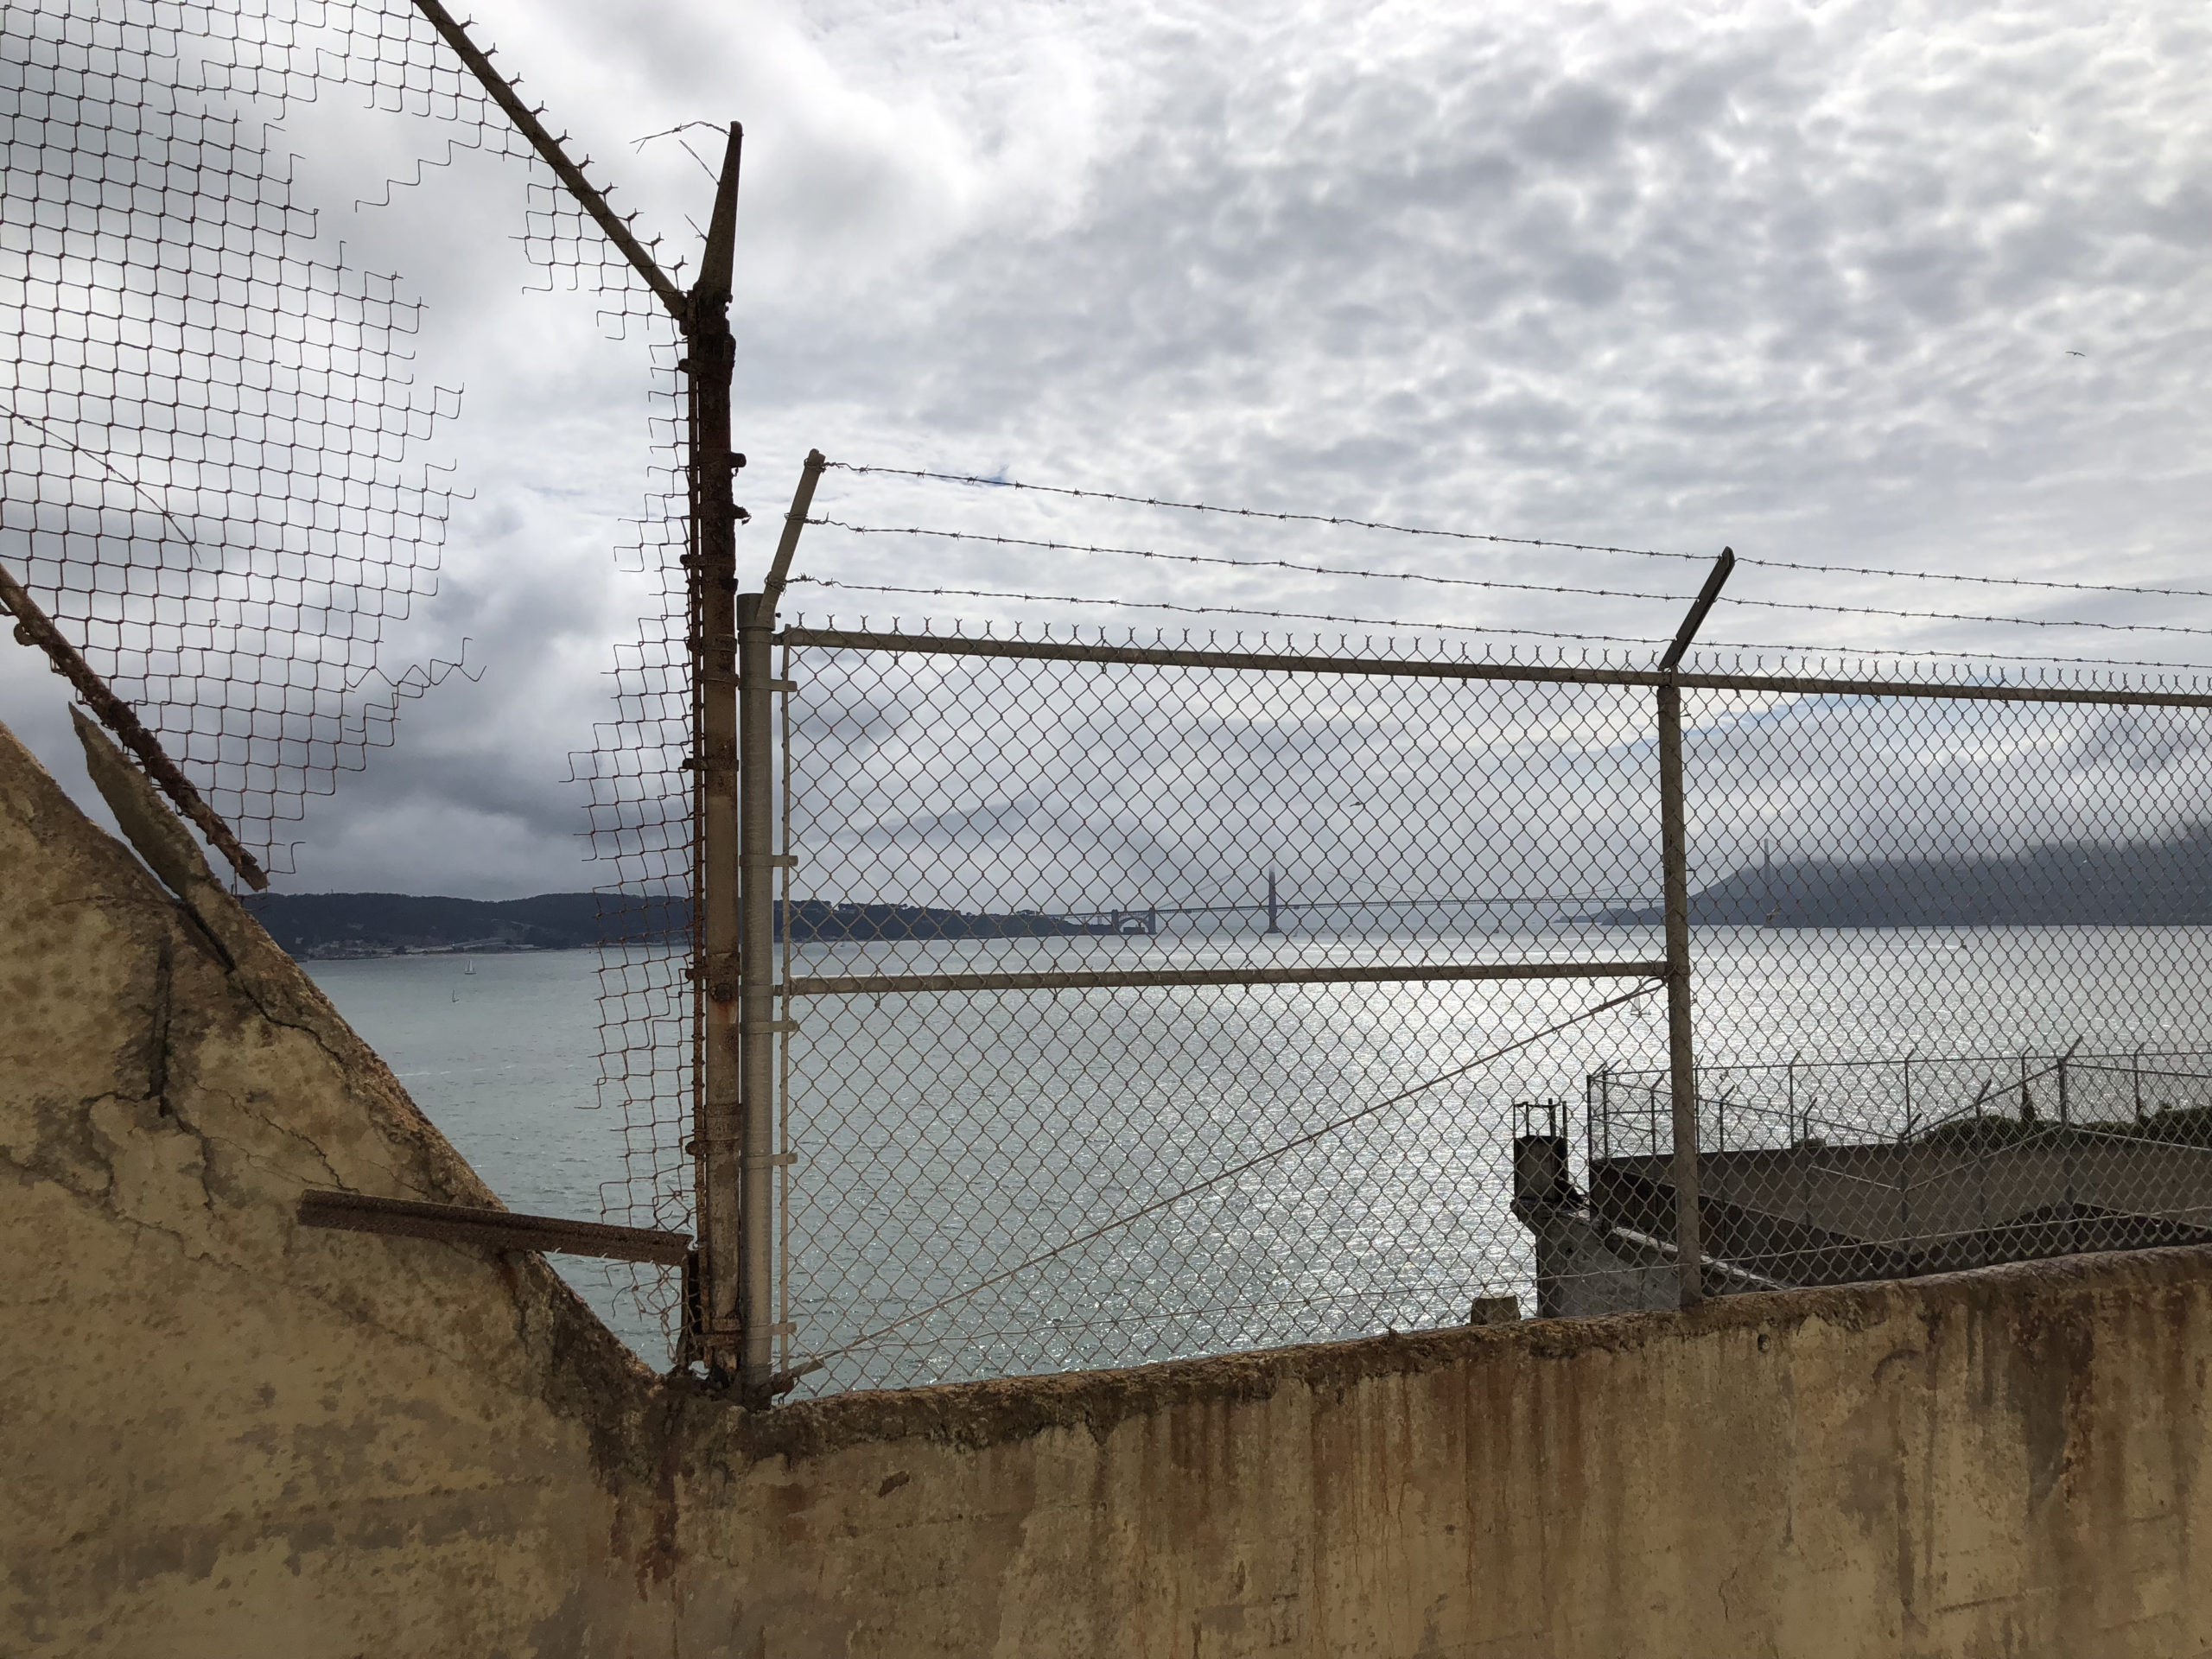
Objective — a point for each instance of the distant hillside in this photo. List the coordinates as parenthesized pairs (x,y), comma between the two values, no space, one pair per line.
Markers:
(326,925)
(2085,885)
(329,925)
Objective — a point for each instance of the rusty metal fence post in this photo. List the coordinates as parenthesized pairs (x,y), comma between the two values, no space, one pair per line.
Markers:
(709,360)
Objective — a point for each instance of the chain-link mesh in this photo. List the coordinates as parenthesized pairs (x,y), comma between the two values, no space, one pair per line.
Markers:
(1125,1024)
(643,828)
(215,470)
(213,473)
(1354,844)
(1950,960)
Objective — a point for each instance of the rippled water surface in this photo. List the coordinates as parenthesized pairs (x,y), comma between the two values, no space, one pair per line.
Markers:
(945,1139)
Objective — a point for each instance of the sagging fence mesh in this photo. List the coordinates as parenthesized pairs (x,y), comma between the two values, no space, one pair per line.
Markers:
(217,475)
(213,473)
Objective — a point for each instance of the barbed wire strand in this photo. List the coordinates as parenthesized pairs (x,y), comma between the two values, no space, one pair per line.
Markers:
(1775,648)
(861,469)
(1217,610)
(816,1362)
(1501,585)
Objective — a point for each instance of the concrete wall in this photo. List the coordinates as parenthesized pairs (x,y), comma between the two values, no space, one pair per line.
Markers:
(222,1434)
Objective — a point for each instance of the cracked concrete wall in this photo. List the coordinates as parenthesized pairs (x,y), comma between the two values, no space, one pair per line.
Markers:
(223,1434)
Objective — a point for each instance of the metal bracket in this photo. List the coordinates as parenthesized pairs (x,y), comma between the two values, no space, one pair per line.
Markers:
(784,1328)
(773,1160)
(772,685)
(769,861)
(769,1028)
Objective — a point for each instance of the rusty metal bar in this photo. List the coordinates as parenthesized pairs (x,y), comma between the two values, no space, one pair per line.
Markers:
(881,984)
(499,1229)
(34,627)
(1674,855)
(709,360)
(587,195)
(1314,662)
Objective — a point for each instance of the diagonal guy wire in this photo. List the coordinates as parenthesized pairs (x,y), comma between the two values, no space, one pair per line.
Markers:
(819,1360)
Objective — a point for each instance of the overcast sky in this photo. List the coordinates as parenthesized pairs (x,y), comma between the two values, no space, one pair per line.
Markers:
(1910,286)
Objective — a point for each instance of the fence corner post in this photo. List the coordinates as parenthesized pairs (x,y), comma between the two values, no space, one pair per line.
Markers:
(710,353)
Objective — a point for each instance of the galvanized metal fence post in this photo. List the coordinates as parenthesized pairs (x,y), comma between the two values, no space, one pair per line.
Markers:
(1674,855)
(1674,870)
(752,1262)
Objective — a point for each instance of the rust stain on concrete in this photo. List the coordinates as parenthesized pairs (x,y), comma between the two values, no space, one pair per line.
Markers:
(228,1434)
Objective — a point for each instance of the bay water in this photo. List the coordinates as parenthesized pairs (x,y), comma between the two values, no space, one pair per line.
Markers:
(942,1140)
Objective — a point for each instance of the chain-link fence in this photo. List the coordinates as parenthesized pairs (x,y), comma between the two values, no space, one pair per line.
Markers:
(1120,999)
(219,488)
(1093,946)
(1156,998)
(1949,958)
(213,456)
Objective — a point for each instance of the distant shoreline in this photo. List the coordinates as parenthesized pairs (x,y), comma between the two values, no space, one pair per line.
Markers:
(2081,884)
(361,926)
(2085,883)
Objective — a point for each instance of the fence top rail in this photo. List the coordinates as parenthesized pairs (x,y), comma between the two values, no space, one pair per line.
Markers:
(1445,668)
(2122,1061)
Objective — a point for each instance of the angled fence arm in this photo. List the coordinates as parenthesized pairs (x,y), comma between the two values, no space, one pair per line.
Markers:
(587,195)
(794,522)
(34,627)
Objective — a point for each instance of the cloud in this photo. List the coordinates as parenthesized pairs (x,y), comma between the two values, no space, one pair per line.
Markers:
(1800,278)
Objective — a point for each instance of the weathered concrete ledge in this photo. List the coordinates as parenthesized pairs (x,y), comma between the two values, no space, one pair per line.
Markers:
(977,1414)
(223,1434)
